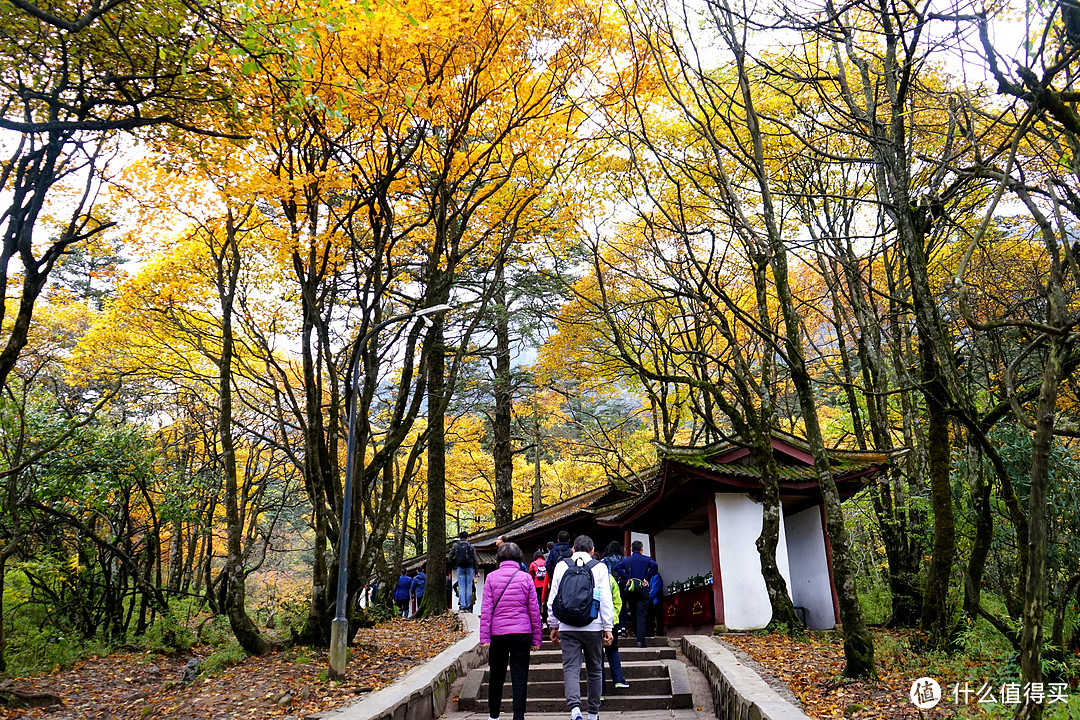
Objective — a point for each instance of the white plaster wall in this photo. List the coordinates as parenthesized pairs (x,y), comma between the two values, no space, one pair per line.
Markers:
(681,553)
(644,538)
(481,576)
(746,601)
(810,585)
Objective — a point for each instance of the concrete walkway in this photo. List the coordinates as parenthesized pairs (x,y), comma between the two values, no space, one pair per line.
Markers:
(702,708)
(723,687)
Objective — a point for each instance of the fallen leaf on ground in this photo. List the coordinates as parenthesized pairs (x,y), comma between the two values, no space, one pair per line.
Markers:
(91,690)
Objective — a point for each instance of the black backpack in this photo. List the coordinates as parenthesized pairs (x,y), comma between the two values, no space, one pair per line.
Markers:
(464,555)
(573,603)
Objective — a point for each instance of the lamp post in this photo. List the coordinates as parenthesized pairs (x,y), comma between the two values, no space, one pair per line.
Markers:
(339,628)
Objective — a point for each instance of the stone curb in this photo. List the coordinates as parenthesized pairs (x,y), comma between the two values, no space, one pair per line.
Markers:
(738,692)
(421,693)
(681,695)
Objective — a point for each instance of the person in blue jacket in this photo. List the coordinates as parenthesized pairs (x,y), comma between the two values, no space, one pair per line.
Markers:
(401,592)
(654,619)
(637,569)
(556,554)
(416,589)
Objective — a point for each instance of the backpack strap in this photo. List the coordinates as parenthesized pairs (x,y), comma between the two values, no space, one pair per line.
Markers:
(512,575)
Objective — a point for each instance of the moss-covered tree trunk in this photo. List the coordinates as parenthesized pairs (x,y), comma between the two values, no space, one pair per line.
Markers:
(3,633)
(783,609)
(436,471)
(858,644)
(984,533)
(1031,633)
(247,634)
(501,449)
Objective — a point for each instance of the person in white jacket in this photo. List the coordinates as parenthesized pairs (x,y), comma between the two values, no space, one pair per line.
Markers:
(586,640)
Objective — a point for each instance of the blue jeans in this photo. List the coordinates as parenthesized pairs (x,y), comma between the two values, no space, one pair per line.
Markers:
(464,587)
(611,653)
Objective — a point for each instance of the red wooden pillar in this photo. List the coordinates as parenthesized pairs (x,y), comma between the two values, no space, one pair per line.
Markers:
(828,561)
(718,580)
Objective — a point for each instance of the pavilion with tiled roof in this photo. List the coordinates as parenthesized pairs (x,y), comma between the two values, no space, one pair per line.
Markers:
(698,514)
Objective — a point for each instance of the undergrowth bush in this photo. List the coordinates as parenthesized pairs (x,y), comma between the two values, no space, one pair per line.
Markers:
(224,656)
(38,640)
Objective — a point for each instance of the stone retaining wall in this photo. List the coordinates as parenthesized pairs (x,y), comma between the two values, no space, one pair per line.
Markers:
(421,693)
(738,692)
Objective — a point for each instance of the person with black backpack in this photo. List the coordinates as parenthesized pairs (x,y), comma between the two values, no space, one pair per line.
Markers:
(462,555)
(581,615)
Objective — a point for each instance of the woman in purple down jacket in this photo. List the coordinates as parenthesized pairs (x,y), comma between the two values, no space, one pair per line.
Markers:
(510,623)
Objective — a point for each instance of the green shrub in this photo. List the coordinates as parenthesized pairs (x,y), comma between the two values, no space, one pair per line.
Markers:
(373,614)
(34,649)
(214,630)
(168,633)
(224,656)
(893,652)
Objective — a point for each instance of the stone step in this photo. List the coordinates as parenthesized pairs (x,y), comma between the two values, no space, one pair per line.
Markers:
(553,688)
(609,704)
(632,653)
(550,672)
(659,685)
(624,641)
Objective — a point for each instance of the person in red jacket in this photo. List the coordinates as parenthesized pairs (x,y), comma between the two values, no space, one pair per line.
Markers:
(538,570)
(510,624)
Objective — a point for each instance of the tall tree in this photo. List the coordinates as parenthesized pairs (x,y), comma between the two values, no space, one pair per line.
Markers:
(72,78)
(728,170)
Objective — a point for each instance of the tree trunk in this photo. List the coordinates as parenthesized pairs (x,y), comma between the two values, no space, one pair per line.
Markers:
(537,491)
(1035,586)
(858,644)
(984,534)
(3,634)
(321,487)
(902,550)
(1074,642)
(935,616)
(436,470)
(247,634)
(783,609)
(1057,636)
(316,630)
(501,450)
(176,556)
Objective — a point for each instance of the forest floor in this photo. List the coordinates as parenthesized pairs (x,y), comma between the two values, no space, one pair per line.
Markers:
(291,682)
(971,681)
(813,665)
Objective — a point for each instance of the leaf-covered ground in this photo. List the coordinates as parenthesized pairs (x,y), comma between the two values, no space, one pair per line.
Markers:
(138,686)
(813,667)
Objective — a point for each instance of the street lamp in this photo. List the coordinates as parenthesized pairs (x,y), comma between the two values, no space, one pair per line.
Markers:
(339,628)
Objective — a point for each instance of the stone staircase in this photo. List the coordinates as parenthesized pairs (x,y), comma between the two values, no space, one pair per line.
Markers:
(657,680)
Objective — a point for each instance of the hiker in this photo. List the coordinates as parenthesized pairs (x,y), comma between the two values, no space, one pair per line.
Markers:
(538,570)
(416,590)
(463,556)
(510,623)
(638,570)
(401,593)
(561,549)
(614,659)
(613,555)
(654,619)
(498,543)
(581,615)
